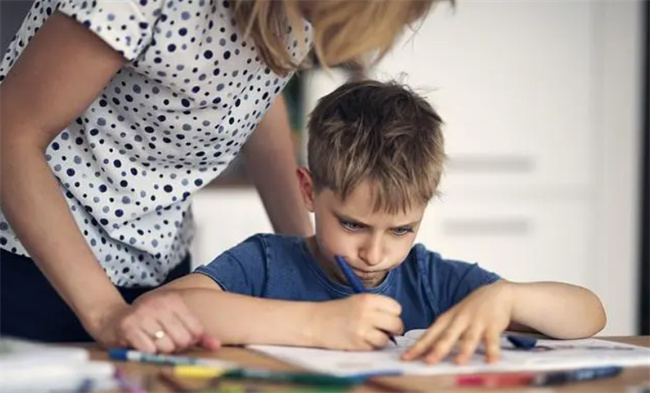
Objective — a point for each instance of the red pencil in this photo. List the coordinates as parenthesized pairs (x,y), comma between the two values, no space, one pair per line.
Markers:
(495,380)
(550,378)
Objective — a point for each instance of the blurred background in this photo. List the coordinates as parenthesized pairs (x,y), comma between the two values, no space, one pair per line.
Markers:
(546,111)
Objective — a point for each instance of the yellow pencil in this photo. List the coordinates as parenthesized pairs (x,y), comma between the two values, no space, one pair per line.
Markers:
(199,372)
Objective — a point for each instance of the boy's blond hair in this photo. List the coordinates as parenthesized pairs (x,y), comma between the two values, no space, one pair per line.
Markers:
(382,132)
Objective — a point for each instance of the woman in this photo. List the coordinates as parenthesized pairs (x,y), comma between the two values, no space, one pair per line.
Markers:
(113,113)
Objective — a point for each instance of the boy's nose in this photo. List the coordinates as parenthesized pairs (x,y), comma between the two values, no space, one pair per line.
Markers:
(372,253)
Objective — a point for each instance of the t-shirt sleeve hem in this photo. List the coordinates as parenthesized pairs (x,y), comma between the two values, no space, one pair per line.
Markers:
(125,26)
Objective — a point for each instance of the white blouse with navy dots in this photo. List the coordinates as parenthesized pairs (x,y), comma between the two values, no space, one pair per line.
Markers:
(169,121)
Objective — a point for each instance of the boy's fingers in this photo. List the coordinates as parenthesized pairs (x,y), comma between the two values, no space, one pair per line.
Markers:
(388,305)
(425,342)
(447,339)
(492,346)
(377,338)
(445,342)
(389,323)
(469,342)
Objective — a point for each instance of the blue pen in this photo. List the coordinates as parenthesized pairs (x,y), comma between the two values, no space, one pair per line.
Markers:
(578,375)
(153,358)
(522,342)
(355,282)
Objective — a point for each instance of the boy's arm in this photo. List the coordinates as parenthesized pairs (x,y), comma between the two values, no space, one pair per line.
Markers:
(556,309)
(477,306)
(360,322)
(240,319)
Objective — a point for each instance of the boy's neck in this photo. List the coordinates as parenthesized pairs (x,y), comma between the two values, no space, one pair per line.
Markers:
(328,268)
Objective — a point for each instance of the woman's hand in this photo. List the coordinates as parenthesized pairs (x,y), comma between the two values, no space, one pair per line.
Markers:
(156,322)
(481,316)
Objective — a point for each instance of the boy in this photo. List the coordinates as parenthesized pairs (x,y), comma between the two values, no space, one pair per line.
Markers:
(375,157)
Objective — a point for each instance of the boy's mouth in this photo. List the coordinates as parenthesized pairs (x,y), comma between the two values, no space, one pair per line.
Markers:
(370,279)
(363,273)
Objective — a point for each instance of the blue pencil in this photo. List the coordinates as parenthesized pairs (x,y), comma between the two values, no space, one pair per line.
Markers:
(355,282)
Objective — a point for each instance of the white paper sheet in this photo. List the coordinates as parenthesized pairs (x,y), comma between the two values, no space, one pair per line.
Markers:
(548,355)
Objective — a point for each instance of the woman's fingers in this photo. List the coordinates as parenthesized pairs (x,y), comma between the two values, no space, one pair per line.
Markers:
(196,331)
(176,331)
(209,342)
(191,324)
(166,323)
(140,340)
(157,334)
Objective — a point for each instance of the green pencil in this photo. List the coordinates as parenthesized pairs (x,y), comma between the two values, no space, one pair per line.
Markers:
(293,377)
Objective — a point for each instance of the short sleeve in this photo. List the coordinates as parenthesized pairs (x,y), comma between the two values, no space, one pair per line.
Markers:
(126,25)
(242,269)
(450,281)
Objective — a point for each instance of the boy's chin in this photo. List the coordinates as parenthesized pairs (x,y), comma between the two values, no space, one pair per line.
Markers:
(372,279)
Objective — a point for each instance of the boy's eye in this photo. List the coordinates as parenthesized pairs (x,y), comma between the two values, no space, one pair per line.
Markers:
(351,226)
(401,231)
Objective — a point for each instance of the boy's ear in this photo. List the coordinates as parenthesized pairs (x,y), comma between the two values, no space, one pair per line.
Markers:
(306,184)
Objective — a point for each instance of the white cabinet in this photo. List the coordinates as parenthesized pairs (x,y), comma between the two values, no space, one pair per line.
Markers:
(520,240)
(513,82)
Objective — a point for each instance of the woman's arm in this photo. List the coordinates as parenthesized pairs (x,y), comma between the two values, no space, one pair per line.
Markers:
(62,70)
(271,163)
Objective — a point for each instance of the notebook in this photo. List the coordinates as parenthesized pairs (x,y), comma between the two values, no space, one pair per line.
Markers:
(547,355)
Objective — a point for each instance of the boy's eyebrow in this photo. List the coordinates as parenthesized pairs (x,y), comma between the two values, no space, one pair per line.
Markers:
(341,216)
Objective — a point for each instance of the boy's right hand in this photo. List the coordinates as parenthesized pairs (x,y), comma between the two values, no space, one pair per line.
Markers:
(166,312)
(357,323)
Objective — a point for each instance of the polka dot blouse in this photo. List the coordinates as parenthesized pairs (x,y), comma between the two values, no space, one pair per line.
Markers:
(168,123)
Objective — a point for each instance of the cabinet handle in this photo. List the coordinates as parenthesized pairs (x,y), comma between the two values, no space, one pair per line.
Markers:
(489,164)
(487,227)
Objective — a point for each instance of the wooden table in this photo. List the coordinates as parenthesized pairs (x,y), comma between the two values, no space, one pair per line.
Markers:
(633,380)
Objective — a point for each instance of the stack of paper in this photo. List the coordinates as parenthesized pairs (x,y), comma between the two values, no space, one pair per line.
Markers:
(547,355)
(29,366)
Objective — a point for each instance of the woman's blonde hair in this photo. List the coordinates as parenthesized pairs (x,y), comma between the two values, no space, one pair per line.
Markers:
(344,31)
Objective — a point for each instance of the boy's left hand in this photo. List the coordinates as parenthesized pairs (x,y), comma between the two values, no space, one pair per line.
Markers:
(481,316)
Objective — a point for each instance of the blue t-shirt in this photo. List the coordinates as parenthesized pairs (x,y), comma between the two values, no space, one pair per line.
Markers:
(282,267)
